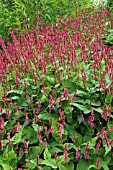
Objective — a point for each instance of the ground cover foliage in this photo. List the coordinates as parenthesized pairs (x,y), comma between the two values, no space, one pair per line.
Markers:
(56,104)
(12,12)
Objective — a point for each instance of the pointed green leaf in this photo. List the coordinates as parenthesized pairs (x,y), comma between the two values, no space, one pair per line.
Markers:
(49,162)
(6,167)
(16,138)
(46,116)
(47,154)
(108,98)
(81,107)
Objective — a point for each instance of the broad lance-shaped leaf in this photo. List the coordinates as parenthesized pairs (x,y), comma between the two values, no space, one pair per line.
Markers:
(69,166)
(47,154)
(6,167)
(108,98)
(49,162)
(103,165)
(30,134)
(98,110)
(55,129)
(55,149)
(11,155)
(83,165)
(16,138)
(107,150)
(81,92)
(46,168)
(81,107)
(15,97)
(15,91)
(47,116)
(35,150)
(44,99)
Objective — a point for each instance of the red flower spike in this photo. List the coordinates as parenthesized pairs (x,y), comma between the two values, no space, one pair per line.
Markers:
(74,137)
(77,155)
(98,163)
(1,124)
(37,160)
(82,118)
(26,163)
(65,152)
(8,137)
(66,93)
(55,156)
(98,145)
(1,144)
(39,135)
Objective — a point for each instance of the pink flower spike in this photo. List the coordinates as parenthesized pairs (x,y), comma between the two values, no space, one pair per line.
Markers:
(86,154)
(98,145)
(98,162)
(31,101)
(55,156)
(66,152)
(82,118)
(37,160)
(1,124)
(26,163)
(8,137)
(66,93)
(77,155)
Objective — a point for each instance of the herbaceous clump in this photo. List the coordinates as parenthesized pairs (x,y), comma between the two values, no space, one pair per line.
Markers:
(57,95)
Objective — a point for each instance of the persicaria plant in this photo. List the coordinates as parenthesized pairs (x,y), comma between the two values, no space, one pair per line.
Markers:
(57,96)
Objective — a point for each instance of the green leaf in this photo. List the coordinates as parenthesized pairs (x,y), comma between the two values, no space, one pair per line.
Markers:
(11,155)
(70,166)
(79,100)
(86,138)
(83,165)
(81,93)
(47,154)
(46,168)
(55,149)
(70,85)
(101,151)
(104,165)
(30,134)
(15,91)
(107,158)
(5,166)
(96,103)
(47,116)
(60,159)
(108,98)
(71,146)
(35,150)
(44,99)
(15,97)
(72,132)
(107,150)
(55,129)
(66,166)
(32,164)
(49,162)
(62,167)
(93,141)
(98,110)
(16,138)
(91,166)
(81,107)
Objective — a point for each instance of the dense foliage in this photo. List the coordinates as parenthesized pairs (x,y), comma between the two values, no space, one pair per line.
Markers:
(14,11)
(56,103)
